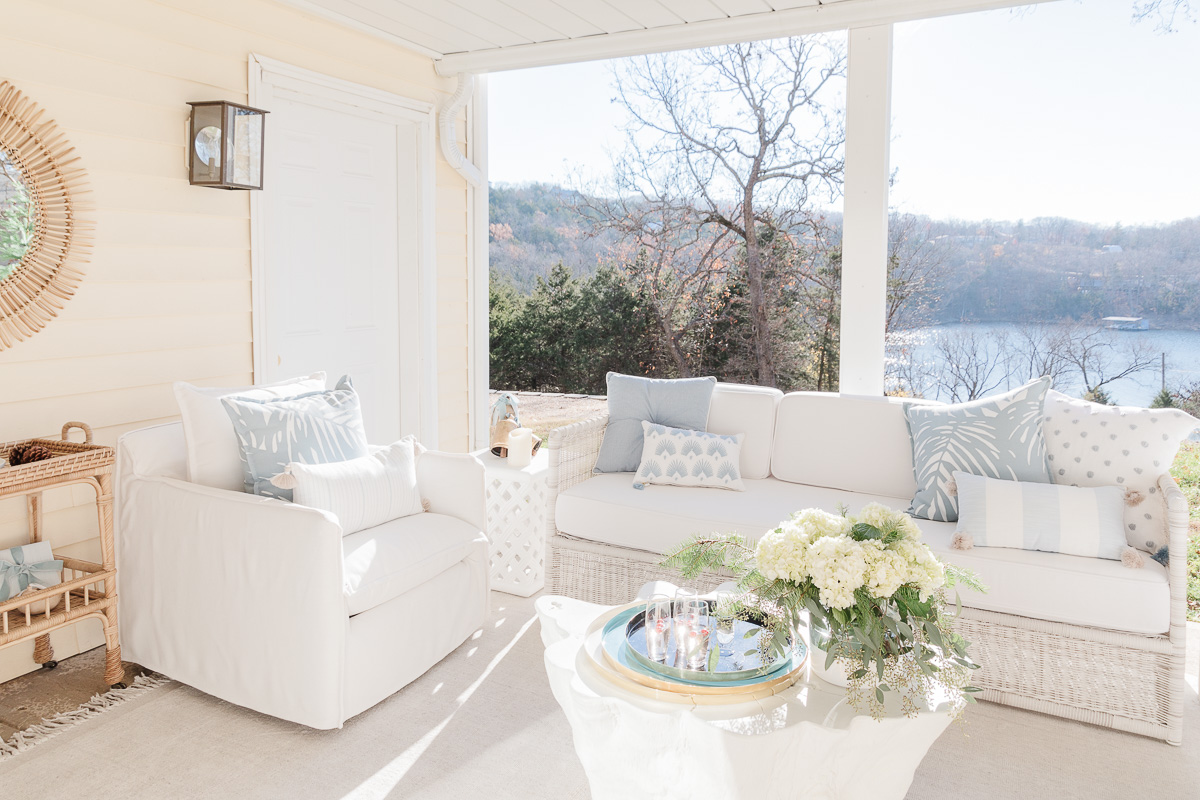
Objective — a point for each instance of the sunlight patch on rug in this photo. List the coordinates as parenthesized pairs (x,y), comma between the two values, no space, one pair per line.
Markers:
(381,784)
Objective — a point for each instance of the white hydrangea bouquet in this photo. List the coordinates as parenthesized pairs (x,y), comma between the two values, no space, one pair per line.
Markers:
(875,596)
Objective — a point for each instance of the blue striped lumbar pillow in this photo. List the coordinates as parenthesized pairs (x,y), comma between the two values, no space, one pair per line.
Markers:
(1040,516)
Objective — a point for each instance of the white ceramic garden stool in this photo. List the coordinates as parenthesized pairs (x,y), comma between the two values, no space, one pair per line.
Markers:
(516,522)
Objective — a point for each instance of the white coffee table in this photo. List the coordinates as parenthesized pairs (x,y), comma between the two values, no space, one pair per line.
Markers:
(805,742)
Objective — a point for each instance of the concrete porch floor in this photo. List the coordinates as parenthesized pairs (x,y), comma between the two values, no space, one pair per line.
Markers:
(483,722)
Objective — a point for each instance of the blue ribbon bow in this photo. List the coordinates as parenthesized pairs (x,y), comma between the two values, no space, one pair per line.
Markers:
(18,575)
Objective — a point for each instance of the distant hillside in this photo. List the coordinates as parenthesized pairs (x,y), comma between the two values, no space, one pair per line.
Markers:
(1040,269)
(534,227)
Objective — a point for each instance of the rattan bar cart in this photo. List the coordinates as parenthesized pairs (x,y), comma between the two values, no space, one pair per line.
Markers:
(88,590)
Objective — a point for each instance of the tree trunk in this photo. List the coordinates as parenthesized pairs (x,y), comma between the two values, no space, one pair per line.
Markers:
(673,347)
(758,303)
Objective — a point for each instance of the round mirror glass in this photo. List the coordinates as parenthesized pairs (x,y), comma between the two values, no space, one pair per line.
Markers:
(17,216)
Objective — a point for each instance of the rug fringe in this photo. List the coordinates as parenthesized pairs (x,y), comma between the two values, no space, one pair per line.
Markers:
(34,735)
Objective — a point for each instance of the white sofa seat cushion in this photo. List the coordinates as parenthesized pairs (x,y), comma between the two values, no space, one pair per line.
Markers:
(388,560)
(1050,586)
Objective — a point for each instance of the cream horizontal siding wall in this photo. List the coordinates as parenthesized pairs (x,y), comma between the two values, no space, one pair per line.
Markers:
(167,293)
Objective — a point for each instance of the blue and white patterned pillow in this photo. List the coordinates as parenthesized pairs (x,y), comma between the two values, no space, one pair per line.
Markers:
(1042,516)
(680,457)
(314,428)
(996,437)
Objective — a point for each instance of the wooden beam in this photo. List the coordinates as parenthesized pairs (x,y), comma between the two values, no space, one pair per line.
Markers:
(865,214)
(828,16)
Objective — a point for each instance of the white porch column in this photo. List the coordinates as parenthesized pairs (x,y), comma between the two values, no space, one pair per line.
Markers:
(865,216)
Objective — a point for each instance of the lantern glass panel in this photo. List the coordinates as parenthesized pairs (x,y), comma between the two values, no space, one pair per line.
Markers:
(206,144)
(244,133)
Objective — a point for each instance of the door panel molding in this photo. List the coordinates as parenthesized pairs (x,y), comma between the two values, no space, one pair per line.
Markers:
(270,79)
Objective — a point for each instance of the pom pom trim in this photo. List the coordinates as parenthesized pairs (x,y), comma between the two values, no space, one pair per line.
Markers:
(962,541)
(285,479)
(1132,558)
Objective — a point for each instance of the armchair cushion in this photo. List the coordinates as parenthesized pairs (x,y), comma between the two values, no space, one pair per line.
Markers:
(388,560)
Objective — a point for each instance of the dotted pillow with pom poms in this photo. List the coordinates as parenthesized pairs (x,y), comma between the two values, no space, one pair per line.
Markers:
(1089,444)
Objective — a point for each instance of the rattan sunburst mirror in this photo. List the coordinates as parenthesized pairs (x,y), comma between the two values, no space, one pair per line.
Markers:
(43,238)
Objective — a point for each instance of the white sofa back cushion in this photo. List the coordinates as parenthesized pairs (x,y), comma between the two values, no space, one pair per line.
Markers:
(738,408)
(841,441)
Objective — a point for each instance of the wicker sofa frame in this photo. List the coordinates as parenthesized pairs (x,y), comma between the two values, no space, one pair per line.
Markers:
(1119,680)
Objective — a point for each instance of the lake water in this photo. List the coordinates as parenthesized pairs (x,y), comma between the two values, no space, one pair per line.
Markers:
(1182,349)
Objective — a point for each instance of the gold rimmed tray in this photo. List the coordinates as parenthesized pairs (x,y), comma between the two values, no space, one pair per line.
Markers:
(616,667)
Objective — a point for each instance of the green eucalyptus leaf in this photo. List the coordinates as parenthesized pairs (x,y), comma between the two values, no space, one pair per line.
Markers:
(714,658)
(863,531)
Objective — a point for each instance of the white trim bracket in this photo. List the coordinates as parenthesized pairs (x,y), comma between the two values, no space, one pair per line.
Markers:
(447,133)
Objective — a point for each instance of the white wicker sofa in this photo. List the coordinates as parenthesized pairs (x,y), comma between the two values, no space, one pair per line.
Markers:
(1087,639)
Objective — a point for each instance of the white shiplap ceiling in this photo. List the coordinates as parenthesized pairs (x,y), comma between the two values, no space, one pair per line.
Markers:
(491,35)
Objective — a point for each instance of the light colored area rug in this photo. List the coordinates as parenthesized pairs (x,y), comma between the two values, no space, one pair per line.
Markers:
(484,724)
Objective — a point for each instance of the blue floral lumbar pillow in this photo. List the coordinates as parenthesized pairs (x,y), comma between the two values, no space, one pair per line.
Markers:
(678,457)
(314,428)
(995,437)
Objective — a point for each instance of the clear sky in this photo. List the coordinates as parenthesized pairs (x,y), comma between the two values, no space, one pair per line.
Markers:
(1062,109)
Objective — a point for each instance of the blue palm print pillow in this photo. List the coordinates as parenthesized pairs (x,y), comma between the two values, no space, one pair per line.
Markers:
(314,428)
(995,437)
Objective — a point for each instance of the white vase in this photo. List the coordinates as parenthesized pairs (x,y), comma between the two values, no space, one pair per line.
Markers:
(834,675)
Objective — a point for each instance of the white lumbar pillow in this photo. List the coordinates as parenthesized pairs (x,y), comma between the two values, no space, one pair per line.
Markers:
(362,492)
(213,454)
(681,457)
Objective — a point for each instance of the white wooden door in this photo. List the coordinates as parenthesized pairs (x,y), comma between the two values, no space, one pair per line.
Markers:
(333,265)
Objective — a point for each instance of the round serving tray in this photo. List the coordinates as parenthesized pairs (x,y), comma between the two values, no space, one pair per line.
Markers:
(606,649)
(738,665)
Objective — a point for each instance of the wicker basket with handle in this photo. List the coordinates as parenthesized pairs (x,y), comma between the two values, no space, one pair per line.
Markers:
(69,457)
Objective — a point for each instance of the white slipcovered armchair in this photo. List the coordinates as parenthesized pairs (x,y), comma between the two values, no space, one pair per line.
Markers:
(265,604)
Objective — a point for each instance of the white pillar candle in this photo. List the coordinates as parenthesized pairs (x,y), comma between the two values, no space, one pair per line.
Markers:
(520,447)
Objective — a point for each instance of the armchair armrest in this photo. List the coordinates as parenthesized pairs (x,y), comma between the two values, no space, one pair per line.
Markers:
(238,595)
(453,484)
(572,451)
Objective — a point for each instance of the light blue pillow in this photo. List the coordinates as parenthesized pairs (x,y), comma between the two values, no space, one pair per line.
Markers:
(314,428)
(677,457)
(1042,516)
(632,400)
(995,437)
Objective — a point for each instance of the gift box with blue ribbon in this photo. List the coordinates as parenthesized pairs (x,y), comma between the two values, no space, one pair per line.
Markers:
(30,566)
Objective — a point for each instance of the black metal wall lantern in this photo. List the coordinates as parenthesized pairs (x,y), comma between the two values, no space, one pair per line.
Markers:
(225,146)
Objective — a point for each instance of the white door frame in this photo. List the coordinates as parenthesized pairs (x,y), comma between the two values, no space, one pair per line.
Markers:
(269,79)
